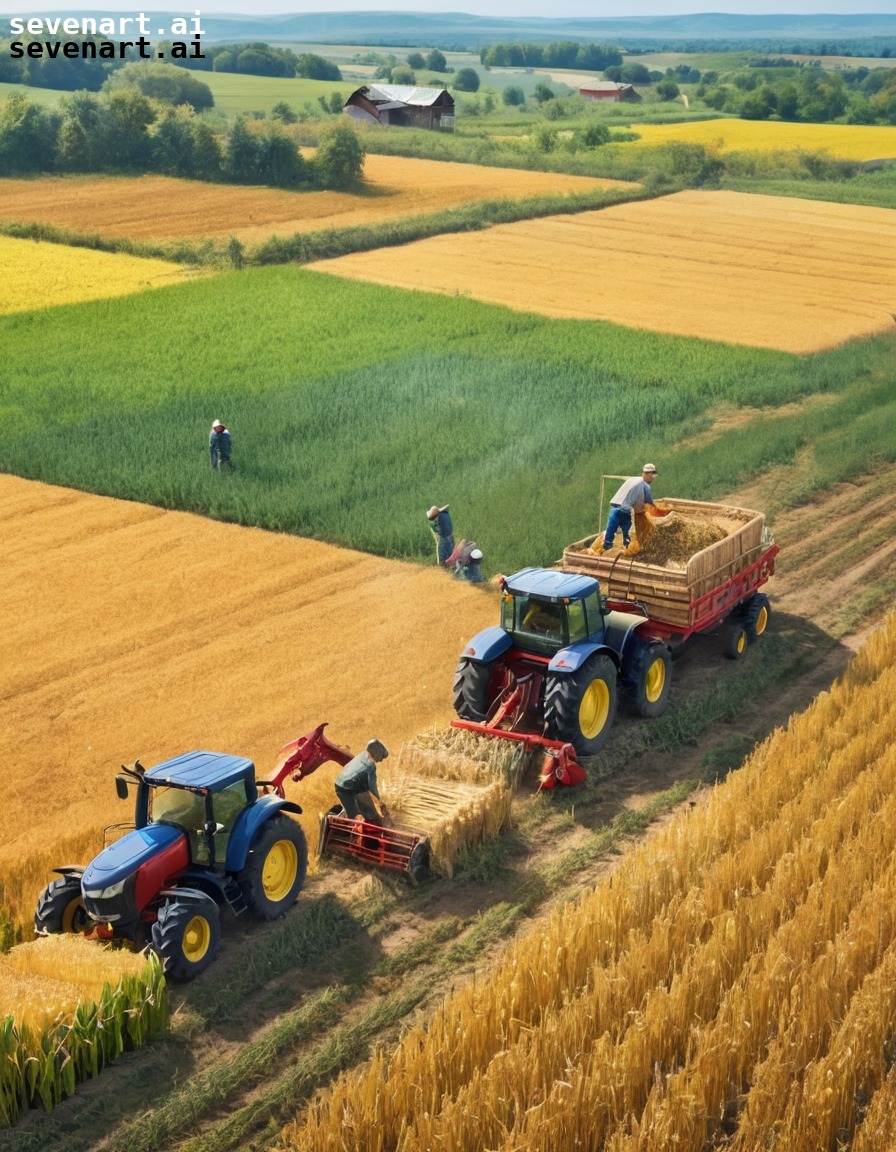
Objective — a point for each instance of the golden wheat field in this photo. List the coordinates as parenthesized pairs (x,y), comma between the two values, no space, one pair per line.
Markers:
(161,207)
(128,634)
(795,275)
(845,141)
(732,984)
(39,275)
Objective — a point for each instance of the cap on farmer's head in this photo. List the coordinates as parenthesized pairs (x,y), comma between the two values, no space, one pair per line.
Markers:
(217,424)
(432,513)
(651,468)
(476,554)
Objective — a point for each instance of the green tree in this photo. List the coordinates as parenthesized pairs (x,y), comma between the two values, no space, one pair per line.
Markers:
(595,135)
(282,112)
(81,138)
(402,74)
(165,82)
(128,117)
(242,162)
(436,61)
(466,80)
(513,96)
(543,92)
(339,159)
(415,60)
(279,161)
(667,90)
(27,136)
(545,138)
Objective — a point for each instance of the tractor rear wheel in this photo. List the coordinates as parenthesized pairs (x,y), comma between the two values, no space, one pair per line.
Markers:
(275,868)
(651,679)
(187,937)
(471,682)
(579,707)
(60,908)
(756,616)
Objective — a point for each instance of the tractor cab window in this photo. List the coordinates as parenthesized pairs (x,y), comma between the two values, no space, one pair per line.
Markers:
(177,806)
(536,624)
(594,618)
(575,615)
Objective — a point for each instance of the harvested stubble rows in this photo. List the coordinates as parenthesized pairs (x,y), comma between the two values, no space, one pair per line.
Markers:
(845,141)
(69,1006)
(130,632)
(164,208)
(795,275)
(733,983)
(39,275)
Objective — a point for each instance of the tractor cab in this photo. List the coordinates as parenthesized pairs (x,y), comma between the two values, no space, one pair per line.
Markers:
(544,611)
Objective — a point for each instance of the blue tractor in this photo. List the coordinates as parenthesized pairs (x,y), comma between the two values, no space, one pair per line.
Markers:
(556,663)
(204,837)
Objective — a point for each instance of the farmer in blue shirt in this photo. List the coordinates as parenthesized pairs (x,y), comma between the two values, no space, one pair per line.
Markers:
(442,530)
(356,785)
(219,446)
(630,497)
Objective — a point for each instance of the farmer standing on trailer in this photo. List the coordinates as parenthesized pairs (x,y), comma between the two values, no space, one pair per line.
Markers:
(443,531)
(356,785)
(630,497)
(220,446)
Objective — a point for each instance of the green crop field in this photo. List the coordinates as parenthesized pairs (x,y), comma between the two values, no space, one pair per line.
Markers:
(354,407)
(235,93)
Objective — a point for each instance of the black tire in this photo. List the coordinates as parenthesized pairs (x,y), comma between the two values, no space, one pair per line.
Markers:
(651,679)
(275,868)
(757,612)
(60,908)
(187,937)
(471,683)
(579,708)
(418,865)
(734,639)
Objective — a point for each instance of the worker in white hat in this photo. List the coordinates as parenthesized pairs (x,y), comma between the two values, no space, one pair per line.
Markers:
(629,498)
(443,531)
(220,446)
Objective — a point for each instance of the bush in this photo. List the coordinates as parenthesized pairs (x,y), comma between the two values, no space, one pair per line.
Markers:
(667,90)
(466,80)
(339,160)
(543,92)
(513,96)
(165,82)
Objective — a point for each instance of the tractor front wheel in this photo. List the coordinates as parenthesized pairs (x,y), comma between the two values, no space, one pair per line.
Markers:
(61,908)
(187,937)
(579,707)
(275,870)
(652,680)
(471,683)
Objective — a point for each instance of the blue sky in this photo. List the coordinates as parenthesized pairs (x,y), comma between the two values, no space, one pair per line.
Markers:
(505,8)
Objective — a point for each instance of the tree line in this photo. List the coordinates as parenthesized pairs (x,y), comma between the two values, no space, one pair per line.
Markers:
(558,54)
(257,59)
(121,130)
(810,94)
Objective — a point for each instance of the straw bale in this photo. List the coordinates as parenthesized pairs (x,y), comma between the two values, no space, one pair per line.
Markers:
(454,754)
(676,540)
(455,815)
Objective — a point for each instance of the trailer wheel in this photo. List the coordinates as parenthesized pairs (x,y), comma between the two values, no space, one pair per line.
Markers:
(275,869)
(471,682)
(734,639)
(187,937)
(60,908)
(756,616)
(579,707)
(652,680)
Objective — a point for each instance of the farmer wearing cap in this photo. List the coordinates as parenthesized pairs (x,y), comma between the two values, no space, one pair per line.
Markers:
(630,497)
(219,446)
(443,531)
(356,784)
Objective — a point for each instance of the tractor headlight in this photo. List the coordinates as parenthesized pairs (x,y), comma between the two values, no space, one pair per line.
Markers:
(106,893)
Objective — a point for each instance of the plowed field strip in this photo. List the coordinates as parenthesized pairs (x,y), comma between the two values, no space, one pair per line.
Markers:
(133,632)
(161,207)
(792,275)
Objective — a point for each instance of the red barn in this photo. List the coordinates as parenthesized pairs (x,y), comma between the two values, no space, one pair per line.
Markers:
(609,90)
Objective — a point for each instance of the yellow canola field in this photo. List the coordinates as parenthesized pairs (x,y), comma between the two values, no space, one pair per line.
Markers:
(39,275)
(134,632)
(161,207)
(845,141)
(794,275)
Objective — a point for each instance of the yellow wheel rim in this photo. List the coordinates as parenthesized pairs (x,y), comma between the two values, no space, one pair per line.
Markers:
(280,869)
(741,641)
(594,709)
(197,937)
(75,918)
(656,680)
(761,621)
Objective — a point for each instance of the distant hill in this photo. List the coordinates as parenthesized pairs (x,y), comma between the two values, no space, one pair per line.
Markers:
(460,30)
